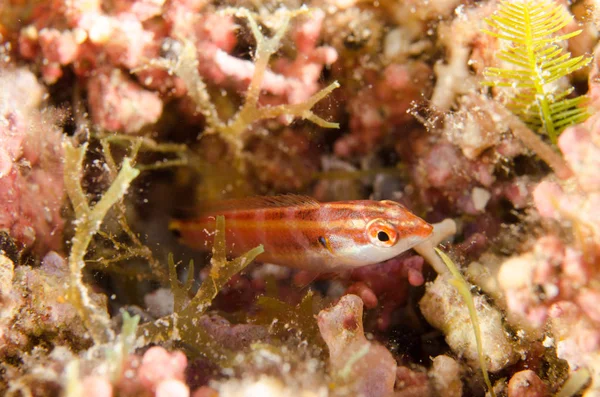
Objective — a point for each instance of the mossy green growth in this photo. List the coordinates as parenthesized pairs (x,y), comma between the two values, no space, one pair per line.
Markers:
(88,221)
(186,68)
(537,61)
(182,325)
(283,317)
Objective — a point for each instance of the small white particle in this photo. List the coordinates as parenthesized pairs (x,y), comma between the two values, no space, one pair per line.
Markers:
(480,198)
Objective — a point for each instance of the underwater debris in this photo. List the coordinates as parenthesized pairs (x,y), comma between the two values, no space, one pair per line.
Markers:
(537,61)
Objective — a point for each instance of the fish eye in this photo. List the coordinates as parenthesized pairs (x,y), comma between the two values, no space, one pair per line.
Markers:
(383,236)
(382,233)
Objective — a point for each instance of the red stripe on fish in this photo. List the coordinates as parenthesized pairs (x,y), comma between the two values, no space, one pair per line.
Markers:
(303,233)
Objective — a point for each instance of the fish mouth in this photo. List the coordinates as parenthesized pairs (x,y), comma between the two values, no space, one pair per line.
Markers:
(420,228)
(427,229)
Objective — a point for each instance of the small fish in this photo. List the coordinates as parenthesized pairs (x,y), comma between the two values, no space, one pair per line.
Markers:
(302,233)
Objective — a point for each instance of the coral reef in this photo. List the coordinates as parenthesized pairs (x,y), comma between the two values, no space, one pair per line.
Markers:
(118,116)
(31,170)
(444,309)
(34,311)
(564,272)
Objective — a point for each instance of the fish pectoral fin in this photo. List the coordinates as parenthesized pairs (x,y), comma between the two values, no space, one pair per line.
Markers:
(324,241)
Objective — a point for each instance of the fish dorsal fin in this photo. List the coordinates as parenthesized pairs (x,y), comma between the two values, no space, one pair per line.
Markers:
(259,202)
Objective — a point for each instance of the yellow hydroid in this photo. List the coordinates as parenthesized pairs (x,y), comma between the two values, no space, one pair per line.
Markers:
(537,59)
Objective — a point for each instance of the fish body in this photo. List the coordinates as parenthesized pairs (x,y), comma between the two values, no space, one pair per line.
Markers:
(300,232)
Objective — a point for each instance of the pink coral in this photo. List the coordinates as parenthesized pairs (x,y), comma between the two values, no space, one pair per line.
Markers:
(534,281)
(526,384)
(101,40)
(158,372)
(119,104)
(304,71)
(581,149)
(367,367)
(445,375)
(159,366)
(412,383)
(97,386)
(290,81)
(556,283)
(141,9)
(580,145)
(31,170)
